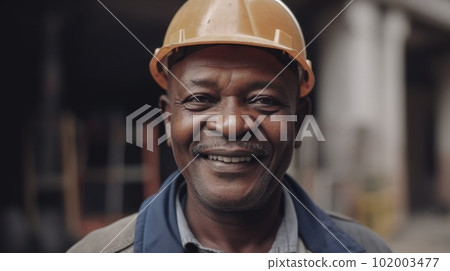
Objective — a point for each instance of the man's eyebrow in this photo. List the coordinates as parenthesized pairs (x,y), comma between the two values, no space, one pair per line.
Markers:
(204,83)
(254,85)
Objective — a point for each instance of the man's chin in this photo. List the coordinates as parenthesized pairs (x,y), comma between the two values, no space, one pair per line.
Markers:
(230,186)
(232,197)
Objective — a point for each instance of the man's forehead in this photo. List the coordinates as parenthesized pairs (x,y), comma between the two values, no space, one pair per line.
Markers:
(244,67)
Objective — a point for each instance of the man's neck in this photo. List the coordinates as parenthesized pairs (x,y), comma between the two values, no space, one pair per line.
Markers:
(240,231)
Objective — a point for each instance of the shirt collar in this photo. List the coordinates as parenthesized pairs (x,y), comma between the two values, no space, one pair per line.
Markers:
(286,239)
(157,230)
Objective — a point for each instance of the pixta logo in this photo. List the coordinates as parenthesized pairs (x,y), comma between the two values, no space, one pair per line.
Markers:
(141,124)
(309,123)
(145,114)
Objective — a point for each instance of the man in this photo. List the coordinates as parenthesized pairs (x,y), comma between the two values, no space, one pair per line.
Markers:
(233,70)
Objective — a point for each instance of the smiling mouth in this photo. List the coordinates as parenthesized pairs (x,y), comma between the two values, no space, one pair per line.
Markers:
(236,155)
(228,159)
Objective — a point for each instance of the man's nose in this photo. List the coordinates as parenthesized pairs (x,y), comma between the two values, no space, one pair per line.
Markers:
(233,126)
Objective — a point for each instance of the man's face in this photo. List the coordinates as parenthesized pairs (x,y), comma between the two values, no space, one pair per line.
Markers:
(225,79)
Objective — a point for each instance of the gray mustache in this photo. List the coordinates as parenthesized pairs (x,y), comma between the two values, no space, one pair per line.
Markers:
(260,149)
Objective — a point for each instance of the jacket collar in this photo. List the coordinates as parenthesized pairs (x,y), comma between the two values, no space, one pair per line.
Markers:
(157,229)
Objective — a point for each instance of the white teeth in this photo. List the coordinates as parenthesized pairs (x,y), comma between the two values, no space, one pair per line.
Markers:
(227,159)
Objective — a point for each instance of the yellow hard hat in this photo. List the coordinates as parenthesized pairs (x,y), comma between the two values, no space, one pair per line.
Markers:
(259,23)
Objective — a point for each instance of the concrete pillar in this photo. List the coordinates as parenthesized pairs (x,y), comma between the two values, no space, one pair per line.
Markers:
(362,102)
(443,136)
(392,121)
(349,72)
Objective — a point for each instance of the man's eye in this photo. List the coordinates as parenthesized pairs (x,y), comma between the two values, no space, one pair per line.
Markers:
(265,101)
(199,102)
(203,99)
(198,99)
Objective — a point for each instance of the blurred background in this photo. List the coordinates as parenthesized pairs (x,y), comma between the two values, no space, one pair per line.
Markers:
(73,74)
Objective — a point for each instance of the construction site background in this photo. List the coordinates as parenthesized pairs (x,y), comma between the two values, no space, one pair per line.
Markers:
(382,101)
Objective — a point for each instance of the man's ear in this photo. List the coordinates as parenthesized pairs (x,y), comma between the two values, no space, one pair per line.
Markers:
(304,108)
(164,104)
